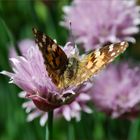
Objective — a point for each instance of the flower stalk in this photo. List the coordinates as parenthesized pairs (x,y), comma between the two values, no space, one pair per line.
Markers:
(49,127)
(71,131)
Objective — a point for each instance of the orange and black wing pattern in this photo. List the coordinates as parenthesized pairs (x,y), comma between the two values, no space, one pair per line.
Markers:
(55,58)
(97,60)
(59,68)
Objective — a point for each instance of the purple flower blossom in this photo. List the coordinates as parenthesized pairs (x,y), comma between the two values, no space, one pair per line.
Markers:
(23,47)
(29,73)
(116,90)
(102,21)
(68,111)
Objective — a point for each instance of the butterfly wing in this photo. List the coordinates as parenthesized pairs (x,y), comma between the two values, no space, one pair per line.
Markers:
(55,59)
(97,60)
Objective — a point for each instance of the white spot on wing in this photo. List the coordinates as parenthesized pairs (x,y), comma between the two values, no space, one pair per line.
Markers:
(111,47)
(54,47)
(44,38)
(122,43)
(112,54)
(35,30)
(97,53)
(110,60)
(40,44)
(118,51)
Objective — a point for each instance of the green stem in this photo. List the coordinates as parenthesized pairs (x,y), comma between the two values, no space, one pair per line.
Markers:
(49,127)
(133,132)
(70,131)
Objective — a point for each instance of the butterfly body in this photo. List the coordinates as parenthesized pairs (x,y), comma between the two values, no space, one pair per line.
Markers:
(73,71)
(70,73)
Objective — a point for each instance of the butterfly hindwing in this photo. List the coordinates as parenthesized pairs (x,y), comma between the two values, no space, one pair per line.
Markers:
(55,59)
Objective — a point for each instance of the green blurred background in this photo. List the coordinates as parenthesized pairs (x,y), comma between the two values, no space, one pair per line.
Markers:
(17,17)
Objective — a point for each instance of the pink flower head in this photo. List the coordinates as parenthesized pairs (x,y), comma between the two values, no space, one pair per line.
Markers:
(98,22)
(116,90)
(29,73)
(68,111)
(23,46)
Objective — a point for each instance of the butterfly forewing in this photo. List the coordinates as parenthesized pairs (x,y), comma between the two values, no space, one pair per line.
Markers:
(97,60)
(55,59)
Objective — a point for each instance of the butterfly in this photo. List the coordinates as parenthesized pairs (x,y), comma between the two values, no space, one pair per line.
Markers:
(72,71)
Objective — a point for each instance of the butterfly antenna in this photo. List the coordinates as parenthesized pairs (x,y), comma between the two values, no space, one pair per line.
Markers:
(71,35)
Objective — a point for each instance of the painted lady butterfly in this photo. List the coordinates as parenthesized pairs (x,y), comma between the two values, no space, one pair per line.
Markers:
(66,72)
